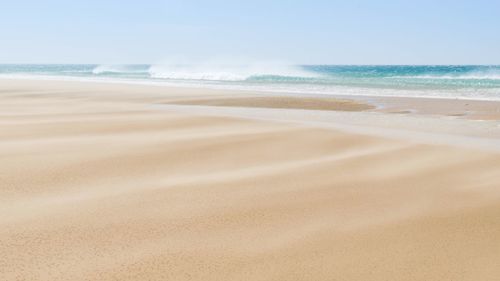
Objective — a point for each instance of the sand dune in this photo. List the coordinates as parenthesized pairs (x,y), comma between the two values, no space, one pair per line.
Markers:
(96,184)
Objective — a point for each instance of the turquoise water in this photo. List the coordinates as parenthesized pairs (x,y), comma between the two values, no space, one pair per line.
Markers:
(474,82)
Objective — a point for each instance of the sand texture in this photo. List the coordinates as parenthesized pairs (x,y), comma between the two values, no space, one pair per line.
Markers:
(97,183)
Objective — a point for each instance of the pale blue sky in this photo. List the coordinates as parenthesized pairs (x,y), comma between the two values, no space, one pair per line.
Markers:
(309,32)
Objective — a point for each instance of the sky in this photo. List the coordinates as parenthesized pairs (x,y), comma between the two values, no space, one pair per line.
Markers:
(302,32)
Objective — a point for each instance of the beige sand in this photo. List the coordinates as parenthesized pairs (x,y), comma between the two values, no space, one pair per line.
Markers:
(98,184)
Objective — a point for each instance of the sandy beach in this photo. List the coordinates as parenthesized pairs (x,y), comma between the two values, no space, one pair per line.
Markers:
(133,182)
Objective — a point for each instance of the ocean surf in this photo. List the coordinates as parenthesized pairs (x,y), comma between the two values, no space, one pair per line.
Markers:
(452,81)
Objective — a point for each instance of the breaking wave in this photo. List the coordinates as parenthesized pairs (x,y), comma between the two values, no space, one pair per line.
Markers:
(221,72)
(119,69)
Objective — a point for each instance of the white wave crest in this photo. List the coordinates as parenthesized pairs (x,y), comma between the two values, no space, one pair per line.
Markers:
(226,72)
(107,68)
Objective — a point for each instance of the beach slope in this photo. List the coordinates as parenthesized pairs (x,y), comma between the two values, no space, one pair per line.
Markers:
(100,182)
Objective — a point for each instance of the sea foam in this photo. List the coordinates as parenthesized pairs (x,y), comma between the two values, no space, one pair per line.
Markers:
(226,72)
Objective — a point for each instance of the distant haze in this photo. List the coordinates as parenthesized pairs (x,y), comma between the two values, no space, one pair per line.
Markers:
(295,32)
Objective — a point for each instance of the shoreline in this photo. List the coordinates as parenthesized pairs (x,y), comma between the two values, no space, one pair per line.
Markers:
(379,101)
(473,109)
(418,120)
(191,85)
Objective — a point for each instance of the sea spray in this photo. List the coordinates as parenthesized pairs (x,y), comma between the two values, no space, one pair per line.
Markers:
(227,72)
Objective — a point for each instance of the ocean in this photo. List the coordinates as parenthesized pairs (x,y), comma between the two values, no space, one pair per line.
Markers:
(439,81)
